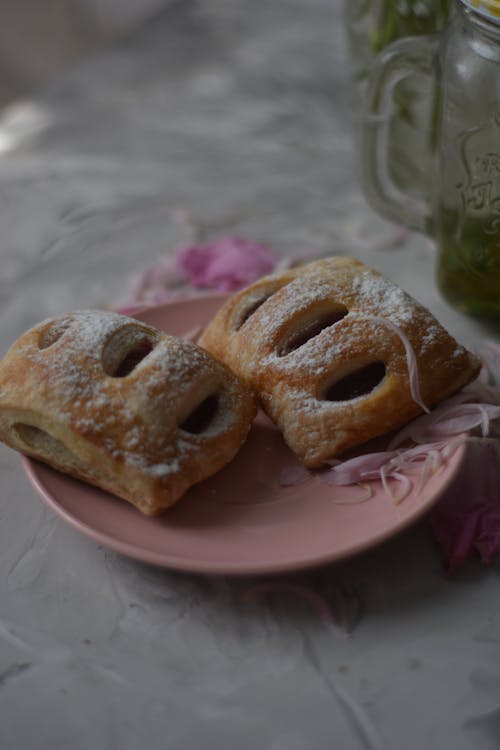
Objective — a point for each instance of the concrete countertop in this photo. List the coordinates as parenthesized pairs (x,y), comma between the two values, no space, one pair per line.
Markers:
(238,112)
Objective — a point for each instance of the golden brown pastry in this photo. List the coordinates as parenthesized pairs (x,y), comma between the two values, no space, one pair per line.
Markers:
(115,402)
(337,354)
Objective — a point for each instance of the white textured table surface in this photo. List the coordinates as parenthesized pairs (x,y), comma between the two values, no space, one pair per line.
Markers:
(238,112)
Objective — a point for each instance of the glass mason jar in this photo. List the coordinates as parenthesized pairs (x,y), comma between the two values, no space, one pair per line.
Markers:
(371,26)
(461,208)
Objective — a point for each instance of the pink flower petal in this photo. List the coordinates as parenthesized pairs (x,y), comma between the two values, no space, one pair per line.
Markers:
(356,494)
(293,475)
(359,468)
(159,275)
(406,486)
(226,264)
(467,520)
(411,360)
(487,541)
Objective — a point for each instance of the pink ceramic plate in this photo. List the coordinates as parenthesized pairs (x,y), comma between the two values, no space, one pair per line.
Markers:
(240,521)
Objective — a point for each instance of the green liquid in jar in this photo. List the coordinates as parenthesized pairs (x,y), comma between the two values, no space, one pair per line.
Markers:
(469,264)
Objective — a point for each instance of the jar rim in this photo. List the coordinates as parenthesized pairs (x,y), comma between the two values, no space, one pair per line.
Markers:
(489,9)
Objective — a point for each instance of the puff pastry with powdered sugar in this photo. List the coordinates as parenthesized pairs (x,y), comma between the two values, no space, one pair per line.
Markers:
(121,405)
(337,354)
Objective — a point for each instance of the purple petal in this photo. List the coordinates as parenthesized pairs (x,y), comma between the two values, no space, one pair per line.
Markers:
(226,264)
(356,469)
(467,519)
(292,476)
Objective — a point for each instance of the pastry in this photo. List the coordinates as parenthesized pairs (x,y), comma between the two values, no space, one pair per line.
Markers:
(121,405)
(337,354)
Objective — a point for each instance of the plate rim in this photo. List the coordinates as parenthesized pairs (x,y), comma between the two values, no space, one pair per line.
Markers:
(192,565)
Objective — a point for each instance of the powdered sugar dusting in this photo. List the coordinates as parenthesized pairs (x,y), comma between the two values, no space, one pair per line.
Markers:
(106,409)
(378,296)
(324,328)
(363,292)
(84,335)
(300,297)
(366,295)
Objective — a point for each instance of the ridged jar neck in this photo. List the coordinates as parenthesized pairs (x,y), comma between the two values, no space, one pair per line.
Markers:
(481,25)
(486,10)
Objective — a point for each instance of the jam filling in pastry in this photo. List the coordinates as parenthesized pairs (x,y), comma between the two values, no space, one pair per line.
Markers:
(121,405)
(336,354)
